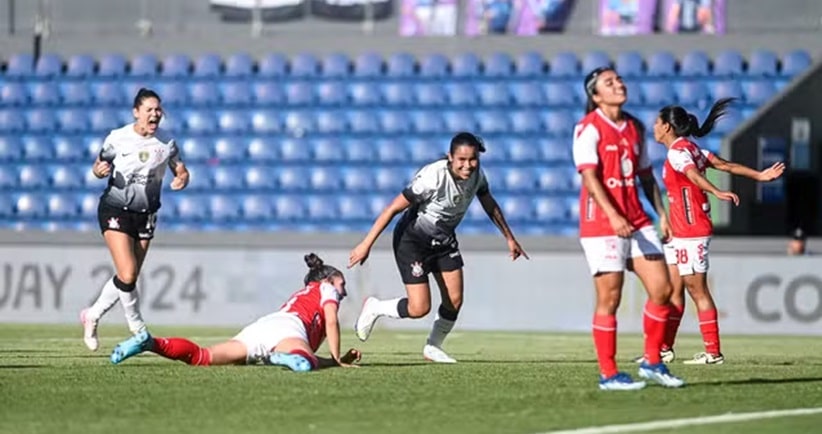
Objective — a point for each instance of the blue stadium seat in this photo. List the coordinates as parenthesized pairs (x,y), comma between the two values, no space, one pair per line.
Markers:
(239,65)
(330,122)
(475,213)
(378,202)
(171,123)
(111,94)
(293,178)
(427,122)
(692,93)
(795,63)
(111,66)
(200,122)
(325,179)
(327,150)
(174,93)
(759,92)
(491,122)
(433,65)
(368,65)
(661,64)
(559,123)
(430,94)
(80,66)
(260,178)
(394,122)
(91,144)
(400,65)
(559,94)
(48,66)
(192,207)
(223,208)
(423,151)
(226,177)
(37,148)
(398,94)
(357,179)
(461,94)
(268,93)
(200,178)
(728,123)
(525,122)
(530,64)
(387,181)
(526,94)
(321,208)
(256,207)
(41,121)
(556,150)
(517,208)
(203,94)
(272,66)
(230,148)
(197,149)
(289,208)
(262,149)
(363,122)
(726,89)
(695,64)
(304,65)
(10,147)
(45,94)
(233,122)
(357,150)
(763,63)
(523,151)
(630,64)
(20,66)
(61,206)
(520,179)
(461,120)
(33,176)
(299,93)
(493,94)
(67,149)
(336,65)
(364,94)
(465,65)
(498,65)
(236,94)
(388,151)
(294,150)
(176,66)
(550,210)
(87,204)
(75,94)
(12,121)
(657,93)
(144,65)
(554,180)
(9,178)
(29,205)
(332,93)
(13,94)
(351,208)
(207,66)
(657,153)
(728,64)
(564,65)
(595,59)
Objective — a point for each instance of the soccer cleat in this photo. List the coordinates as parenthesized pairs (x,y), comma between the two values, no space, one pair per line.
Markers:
(659,374)
(620,381)
(436,355)
(368,317)
(131,347)
(89,331)
(667,356)
(295,362)
(706,359)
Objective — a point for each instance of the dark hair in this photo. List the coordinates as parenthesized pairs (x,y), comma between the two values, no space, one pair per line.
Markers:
(466,139)
(798,234)
(590,84)
(317,270)
(144,94)
(686,124)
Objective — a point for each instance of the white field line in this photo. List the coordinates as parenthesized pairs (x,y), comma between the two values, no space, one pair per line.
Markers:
(691,421)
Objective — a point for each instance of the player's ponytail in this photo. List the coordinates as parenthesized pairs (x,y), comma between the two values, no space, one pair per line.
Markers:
(317,270)
(686,124)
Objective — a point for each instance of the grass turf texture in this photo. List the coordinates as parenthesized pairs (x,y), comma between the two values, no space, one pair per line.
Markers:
(504,383)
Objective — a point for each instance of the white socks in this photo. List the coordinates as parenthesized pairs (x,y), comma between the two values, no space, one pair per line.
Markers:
(388,307)
(105,301)
(131,307)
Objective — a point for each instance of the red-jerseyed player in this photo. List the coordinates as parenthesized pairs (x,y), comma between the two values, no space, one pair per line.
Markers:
(288,337)
(615,232)
(690,216)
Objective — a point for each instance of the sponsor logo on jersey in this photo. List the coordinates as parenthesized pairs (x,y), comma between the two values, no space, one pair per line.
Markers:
(416,269)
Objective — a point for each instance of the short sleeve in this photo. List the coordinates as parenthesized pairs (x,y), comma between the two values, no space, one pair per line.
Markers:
(174,157)
(586,140)
(422,187)
(680,160)
(328,294)
(107,152)
(482,186)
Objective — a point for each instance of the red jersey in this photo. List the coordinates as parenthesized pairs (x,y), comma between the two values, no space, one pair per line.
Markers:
(307,304)
(689,208)
(618,153)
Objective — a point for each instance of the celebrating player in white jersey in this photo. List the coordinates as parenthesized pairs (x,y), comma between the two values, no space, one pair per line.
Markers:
(134,158)
(289,337)
(690,215)
(425,241)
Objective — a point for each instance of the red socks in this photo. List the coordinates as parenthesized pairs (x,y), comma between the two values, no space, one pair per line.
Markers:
(605,340)
(654,321)
(709,327)
(672,326)
(183,350)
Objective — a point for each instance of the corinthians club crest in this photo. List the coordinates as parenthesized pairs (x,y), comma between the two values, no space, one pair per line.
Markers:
(416,269)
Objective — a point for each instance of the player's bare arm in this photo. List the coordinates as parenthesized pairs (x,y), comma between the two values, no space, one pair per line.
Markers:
(494,212)
(706,185)
(361,252)
(100,168)
(332,333)
(652,192)
(769,174)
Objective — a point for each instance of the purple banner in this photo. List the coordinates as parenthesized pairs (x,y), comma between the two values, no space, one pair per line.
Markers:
(516,17)
(428,18)
(626,17)
(694,16)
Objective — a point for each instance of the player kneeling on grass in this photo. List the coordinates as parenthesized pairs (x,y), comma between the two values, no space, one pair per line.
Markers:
(288,337)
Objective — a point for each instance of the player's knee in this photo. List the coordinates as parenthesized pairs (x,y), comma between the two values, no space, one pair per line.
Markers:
(125,283)
(456,303)
(448,313)
(418,309)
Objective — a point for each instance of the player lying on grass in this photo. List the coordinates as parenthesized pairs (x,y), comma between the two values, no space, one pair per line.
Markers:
(289,337)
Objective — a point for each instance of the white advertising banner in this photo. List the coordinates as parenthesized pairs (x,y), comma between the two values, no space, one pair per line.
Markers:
(551,292)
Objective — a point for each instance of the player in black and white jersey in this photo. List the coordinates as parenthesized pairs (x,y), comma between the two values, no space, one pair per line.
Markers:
(425,241)
(134,158)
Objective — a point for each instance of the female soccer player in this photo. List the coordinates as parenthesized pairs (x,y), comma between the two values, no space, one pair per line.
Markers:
(134,158)
(615,232)
(425,241)
(687,252)
(288,337)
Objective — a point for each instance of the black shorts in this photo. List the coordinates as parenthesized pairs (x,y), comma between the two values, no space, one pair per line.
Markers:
(416,258)
(139,226)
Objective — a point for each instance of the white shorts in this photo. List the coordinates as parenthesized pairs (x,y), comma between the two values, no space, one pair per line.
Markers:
(690,255)
(261,336)
(611,253)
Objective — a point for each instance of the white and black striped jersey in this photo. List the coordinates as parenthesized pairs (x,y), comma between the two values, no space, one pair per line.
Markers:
(138,167)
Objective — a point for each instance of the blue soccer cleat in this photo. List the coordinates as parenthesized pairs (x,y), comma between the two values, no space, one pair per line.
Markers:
(295,362)
(620,381)
(659,374)
(131,347)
